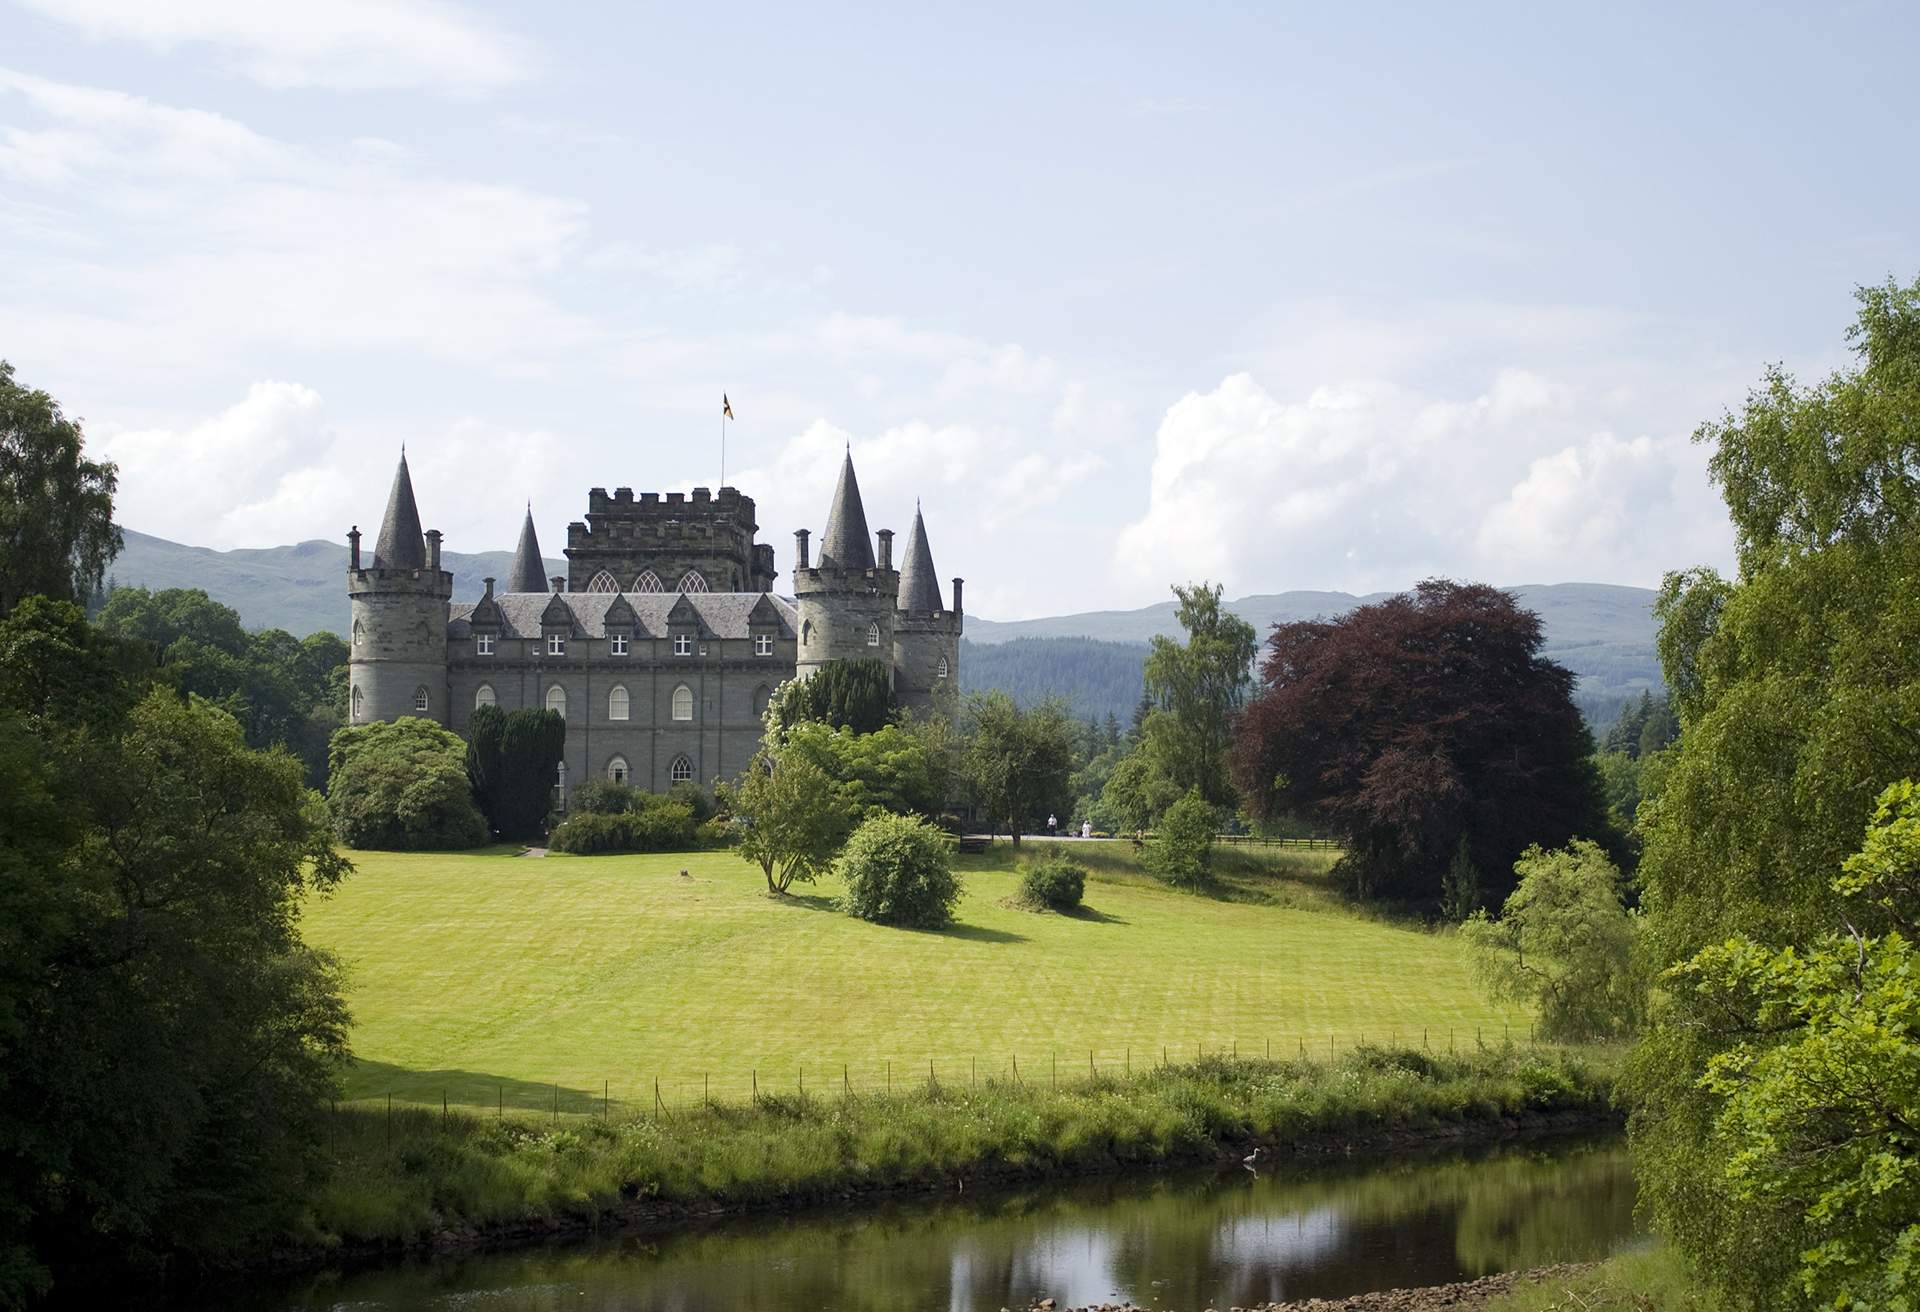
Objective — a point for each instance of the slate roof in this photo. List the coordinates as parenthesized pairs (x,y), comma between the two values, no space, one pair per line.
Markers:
(528,571)
(400,545)
(847,544)
(919,585)
(721,614)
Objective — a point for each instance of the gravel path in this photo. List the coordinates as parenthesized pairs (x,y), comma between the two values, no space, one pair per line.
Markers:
(1432,1298)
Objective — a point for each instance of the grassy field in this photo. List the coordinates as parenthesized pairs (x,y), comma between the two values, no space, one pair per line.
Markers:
(486,978)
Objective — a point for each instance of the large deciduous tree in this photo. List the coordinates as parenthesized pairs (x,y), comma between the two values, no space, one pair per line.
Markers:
(792,818)
(1198,687)
(1018,762)
(1412,723)
(56,507)
(402,784)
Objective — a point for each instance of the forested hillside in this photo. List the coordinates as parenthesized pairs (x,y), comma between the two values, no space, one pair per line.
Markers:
(1096,678)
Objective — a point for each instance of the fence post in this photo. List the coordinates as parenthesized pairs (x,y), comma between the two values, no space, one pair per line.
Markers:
(846,1079)
(756,1084)
(1016,1070)
(930,1079)
(606,1100)
(1129,1060)
(889,1075)
(389,1121)
(1056,1068)
(499,1102)
(803,1079)
(556,1103)
(659,1104)
(443,1109)
(706,1086)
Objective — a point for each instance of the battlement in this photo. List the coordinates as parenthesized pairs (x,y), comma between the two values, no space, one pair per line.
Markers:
(670,535)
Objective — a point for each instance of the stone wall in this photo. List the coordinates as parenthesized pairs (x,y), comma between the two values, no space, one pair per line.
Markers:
(397,643)
(624,535)
(836,609)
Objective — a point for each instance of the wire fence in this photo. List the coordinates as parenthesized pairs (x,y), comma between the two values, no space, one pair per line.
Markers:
(662,1094)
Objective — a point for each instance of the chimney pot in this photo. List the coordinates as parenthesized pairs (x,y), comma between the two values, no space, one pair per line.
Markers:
(800,547)
(559,582)
(353,547)
(957,584)
(886,548)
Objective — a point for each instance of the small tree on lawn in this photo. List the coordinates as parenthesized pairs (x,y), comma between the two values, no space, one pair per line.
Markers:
(791,819)
(899,871)
(1181,849)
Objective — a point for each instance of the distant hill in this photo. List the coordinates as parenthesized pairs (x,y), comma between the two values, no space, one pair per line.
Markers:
(1601,632)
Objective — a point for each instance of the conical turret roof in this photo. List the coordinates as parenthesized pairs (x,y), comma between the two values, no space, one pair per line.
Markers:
(847,544)
(919,585)
(400,545)
(529,572)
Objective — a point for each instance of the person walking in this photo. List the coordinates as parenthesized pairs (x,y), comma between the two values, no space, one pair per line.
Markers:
(1086,829)
(1053,826)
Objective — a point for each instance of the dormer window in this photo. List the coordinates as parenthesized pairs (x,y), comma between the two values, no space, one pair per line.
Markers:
(556,644)
(762,644)
(683,644)
(483,644)
(617,644)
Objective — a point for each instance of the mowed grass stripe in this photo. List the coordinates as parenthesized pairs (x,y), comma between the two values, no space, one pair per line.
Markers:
(488,975)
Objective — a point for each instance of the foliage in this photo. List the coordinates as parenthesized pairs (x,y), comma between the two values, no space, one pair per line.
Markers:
(1198,686)
(696,799)
(402,785)
(1799,699)
(165,1036)
(1644,727)
(1137,792)
(512,760)
(1460,887)
(56,667)
(854,695)
(1414,722)
(791,818)
(1097,678)
(600,797)
(890,769)
(56,507)
(1056,881)
(649,823)
(1181,848)
(899,871)
(1564,944)
(1017,762)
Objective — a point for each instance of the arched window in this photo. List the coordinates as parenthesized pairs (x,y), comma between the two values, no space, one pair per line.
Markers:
(483,696)
(421,702)
(761,696)
(806,633)
(356,706)
(647,582)
(692,581)
(557,700)
(617,702)
(873,635)
(683,703)
(359,633)
(942,672)
(681,771)
(617,770)
(603,582)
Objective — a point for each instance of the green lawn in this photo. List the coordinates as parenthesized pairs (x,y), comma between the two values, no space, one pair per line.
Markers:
(491,977)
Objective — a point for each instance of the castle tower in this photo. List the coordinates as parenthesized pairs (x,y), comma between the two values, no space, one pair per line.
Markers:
(846,601)
(397,648)
(529,571)
(926,635)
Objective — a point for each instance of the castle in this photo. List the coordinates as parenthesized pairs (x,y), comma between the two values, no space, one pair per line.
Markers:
(663,642)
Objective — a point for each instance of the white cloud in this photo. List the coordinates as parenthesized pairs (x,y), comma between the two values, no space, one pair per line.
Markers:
(346,45)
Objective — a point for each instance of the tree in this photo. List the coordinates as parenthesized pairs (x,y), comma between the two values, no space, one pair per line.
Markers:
(1798,693)
(899,871)
(1460,890)
(1136,793)
(791,817)
(1198,687)
(892,769)
(402,784)
(513,759)
(855,695)
(1181,849)
(1017,762)
(1414,722)
(1564,943)
(56,508)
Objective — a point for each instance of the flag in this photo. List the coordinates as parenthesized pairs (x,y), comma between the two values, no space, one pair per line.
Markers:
(726,406)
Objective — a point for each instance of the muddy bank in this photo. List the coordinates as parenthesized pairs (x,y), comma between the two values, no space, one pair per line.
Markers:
(1432,1298)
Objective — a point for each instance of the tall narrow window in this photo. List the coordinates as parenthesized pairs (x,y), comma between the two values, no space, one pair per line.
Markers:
(873,635)
(693,581)
(683,644)
(557,700)
(806,633)
(683,703)
(617,702)
(420,702)
(617,644)
(483,696)
(357,705)
(942,672)
(647,582)
(560,787)
(761,696)
(483,644)
(617,770)
(359,633)
(762,644)
(681,771)
(556,644)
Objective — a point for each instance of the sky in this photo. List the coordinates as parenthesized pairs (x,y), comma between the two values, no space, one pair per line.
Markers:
(1327,297)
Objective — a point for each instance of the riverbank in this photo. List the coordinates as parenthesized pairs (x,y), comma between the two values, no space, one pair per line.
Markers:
(1462,1296)
(442,1182)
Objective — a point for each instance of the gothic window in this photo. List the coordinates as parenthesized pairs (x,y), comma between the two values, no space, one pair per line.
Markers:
(603,582)
(692,581)
(483,644)
(683,703)
(761,696)
(617,770)
(681,771)
(356,706)
(557,700)
(873,635)
(359,633)
(683,644)
(420,701)
(806,633)
(483,696)
(647,582)
(762,644)
(941,673)
(617,644)
(617,702)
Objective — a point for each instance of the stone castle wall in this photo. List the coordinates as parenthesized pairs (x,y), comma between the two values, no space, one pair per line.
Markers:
(397,643)
(836,608)
(670,535)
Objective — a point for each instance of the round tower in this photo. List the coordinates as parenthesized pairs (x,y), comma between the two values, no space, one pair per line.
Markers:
(845,600)
(397,646)
(926,635)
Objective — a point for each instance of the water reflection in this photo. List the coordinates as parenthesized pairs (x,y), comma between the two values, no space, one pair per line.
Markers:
(1181,1242)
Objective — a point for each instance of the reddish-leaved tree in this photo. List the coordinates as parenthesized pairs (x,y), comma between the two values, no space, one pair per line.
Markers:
(1415,722)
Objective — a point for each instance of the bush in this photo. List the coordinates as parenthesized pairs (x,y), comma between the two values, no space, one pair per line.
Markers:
(656,824)
(588,833)
(695,798)
(662,826)
(603,797)
(1181,849)
(401,785)
(899,871)
(716,832)
(1056,881)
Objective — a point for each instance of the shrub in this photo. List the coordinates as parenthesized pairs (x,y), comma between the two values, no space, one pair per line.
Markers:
(1181,849)
(401,785)
(662,826)
(716,832)
(587,833)
(1056,881)
(656,824)
(899,871)
(603,797)
(694,798)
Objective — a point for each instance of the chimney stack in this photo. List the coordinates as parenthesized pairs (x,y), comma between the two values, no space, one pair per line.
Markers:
(886,548)
(433,549)
(559,582)
(488,595)
(956,595)
(800,547)
(353,547)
